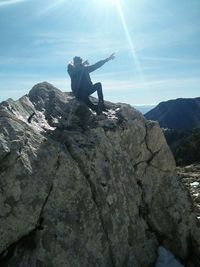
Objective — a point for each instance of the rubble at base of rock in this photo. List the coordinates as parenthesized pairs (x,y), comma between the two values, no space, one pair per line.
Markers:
(190,177)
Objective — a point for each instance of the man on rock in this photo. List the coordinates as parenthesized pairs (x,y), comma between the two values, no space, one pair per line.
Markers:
(82,85)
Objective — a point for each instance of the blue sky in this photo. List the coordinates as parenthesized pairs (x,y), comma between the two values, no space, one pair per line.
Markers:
(157,46)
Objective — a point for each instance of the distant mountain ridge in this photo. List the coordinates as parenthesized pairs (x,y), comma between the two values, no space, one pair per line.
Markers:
(180,113)
(144,108)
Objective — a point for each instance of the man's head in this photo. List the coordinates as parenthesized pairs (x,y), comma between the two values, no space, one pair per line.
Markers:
(77,60)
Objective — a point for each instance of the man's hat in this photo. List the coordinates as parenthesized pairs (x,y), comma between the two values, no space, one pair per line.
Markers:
(77,59)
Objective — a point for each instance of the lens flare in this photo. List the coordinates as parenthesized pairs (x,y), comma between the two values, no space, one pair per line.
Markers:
(129,39)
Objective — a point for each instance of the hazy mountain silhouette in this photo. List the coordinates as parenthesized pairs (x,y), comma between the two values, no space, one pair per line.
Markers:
(181,113)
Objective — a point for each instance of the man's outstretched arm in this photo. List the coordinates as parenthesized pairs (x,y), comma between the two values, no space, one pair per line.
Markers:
(100,63)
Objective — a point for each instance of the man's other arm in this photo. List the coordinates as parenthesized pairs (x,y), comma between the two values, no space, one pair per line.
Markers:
(70,69)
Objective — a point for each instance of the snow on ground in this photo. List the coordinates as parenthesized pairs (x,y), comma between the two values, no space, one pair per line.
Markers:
(40,123)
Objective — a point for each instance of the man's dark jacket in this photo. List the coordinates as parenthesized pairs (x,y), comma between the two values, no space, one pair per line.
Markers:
(80,77)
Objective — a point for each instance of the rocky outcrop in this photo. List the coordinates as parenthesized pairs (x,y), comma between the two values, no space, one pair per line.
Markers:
(78,189)
(190,176)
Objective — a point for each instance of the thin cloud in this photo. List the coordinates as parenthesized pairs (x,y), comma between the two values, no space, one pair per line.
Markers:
(52,7)
(114,91)
(167,37)
(155,84)
(110,85)
(10,2)
(168,59)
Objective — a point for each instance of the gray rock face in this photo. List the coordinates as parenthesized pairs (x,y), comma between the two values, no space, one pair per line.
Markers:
(78,189)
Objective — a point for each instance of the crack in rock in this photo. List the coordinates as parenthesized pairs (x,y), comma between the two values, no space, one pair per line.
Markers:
(28,240)
(93,193)
(31,117)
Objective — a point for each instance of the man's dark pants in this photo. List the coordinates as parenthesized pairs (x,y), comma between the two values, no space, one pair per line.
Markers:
(84,94)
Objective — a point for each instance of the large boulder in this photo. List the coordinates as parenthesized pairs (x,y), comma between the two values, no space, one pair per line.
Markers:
(78,189)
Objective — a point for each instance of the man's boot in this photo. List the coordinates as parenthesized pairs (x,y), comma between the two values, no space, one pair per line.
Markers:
(91,105)
(102,106)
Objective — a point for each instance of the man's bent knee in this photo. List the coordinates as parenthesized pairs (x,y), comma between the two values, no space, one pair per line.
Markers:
(98,84)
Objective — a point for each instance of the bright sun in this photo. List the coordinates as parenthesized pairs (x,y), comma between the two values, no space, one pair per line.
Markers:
(107,3)
(111,2)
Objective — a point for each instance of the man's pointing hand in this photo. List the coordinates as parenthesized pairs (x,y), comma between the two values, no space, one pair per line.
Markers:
(111,57)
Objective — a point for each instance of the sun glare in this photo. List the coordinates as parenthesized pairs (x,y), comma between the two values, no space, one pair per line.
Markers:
(107,3)
(129,39)
(111,2)
(117,5)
